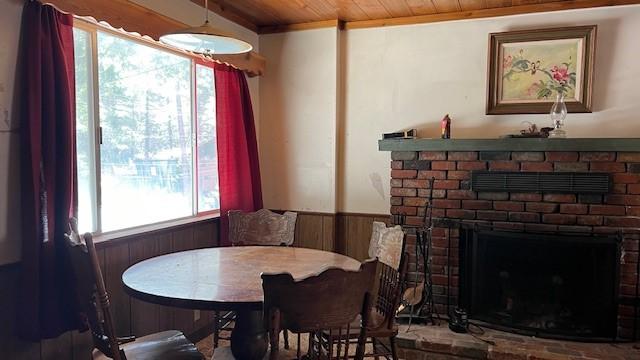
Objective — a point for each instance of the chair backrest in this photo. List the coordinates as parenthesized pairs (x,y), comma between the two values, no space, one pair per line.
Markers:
(91,293)
(387,244)
(262,227)
(330,300)
(388,293)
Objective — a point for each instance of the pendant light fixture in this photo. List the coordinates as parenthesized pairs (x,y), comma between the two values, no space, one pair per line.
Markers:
(206,39)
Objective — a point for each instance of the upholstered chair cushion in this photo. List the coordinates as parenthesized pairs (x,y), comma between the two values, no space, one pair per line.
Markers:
(386,244)
(262,227)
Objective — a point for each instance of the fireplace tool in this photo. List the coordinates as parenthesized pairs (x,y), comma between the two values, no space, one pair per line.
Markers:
(418,299)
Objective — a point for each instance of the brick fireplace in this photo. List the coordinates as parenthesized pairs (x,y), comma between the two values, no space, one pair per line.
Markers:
(452,162)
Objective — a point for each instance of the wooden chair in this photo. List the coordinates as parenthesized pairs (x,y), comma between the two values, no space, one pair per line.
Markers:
(387,245)
(92,297)
(329,301)
(262,227)
(382,324)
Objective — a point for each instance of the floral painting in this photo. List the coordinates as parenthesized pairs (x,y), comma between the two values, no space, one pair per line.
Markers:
(538,71)
(529,68)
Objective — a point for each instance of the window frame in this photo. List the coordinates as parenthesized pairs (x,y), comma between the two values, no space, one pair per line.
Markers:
(94,125)
(194,106)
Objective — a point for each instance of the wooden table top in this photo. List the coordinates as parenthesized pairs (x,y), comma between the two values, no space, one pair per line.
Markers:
(223,278)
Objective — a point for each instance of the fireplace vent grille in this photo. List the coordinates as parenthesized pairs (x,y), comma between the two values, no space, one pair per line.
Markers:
(550,182)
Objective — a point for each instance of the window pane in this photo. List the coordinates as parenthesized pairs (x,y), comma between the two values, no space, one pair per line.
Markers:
(84,139)
(208,191)
(145,114)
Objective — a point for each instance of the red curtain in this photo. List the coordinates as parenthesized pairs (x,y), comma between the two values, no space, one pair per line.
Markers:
(48,169)
(238,167)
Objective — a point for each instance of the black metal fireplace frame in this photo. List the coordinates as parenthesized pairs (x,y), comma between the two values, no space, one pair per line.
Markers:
(468,238)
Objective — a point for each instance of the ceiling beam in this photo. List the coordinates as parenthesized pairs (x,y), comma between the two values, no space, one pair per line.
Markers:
(136,18)
(270,29)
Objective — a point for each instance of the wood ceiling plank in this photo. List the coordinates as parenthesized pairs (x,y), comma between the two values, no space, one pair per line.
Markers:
(250,10)
(373,9)
(326,9)
(350,11)
(290,11)
(466,5)
(421,7)
(396,8)
(228,13)
(254,9)
(446,6)
(524,2)
(500,3)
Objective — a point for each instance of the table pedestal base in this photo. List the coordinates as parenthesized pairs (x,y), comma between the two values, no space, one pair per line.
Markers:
(249,340)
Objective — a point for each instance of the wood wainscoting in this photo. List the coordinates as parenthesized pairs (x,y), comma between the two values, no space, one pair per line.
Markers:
(345,233)
(131,316)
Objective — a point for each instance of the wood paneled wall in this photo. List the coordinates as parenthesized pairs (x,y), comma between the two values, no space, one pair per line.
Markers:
(131,316)
(316,231)
(345,233)
(354,233)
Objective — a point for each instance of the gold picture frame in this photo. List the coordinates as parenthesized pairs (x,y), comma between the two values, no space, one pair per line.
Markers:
(528,68)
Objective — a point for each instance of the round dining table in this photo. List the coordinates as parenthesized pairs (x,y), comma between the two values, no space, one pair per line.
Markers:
(226,278)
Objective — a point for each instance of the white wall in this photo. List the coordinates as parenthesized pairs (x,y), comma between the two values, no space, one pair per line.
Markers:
(298,120)
(10,17)
(410,77)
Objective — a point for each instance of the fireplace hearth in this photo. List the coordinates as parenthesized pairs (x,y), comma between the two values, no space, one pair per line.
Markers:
(561,285)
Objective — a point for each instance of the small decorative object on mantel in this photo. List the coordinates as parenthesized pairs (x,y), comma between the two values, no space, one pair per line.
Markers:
(406,134)
(528,68)
(445,127)
(531,132)
(558,113)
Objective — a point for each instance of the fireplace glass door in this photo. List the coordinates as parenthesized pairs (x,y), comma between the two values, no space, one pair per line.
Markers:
(544,285)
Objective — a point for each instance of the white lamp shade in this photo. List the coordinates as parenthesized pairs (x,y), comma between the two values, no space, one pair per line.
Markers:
(206,39)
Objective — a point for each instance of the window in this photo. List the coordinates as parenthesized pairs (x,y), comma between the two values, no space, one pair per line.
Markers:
(146,144)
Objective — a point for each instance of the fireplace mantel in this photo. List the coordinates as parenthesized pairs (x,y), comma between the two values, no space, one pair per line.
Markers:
(511,144)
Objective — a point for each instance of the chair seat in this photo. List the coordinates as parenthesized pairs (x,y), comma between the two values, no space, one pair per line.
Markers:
(166,345)
(377,327)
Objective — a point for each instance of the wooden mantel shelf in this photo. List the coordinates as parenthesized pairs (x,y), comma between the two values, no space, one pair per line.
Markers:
(511,144)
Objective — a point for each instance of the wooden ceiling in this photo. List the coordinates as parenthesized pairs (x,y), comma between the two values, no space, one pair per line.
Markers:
(278,15)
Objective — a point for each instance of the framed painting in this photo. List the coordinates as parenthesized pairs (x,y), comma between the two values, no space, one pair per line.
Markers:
(527,70)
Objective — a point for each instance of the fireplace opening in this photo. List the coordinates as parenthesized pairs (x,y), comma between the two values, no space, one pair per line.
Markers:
(558,286)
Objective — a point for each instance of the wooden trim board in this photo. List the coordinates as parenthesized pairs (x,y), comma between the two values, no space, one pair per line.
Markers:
(301,26)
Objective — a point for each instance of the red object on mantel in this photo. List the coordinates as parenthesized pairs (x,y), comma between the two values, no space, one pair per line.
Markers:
(445,127)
